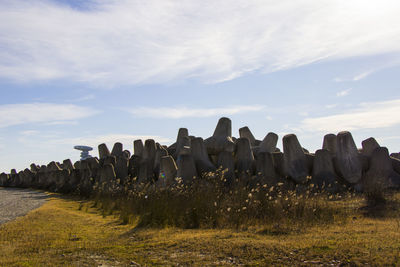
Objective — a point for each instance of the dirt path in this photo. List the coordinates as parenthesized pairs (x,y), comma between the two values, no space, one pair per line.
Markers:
(18,202)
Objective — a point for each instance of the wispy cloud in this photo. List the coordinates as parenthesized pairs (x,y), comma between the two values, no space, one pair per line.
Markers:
(15,114)
(343,92)
(129,42)
(363,75)
(366,116)
(330,106)
(84,98)
(184,112)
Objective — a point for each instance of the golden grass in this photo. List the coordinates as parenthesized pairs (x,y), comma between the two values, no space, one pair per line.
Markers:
(69,232)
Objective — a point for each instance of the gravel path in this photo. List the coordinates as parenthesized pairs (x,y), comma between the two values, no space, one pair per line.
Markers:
(18,202)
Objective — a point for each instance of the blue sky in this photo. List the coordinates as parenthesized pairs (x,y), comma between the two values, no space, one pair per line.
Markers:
(86,72)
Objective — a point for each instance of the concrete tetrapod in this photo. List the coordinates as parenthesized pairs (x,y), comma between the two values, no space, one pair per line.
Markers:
(227,163)
(347,163)
(4,179)
(168,172)
(134,164)
(201,159)
(160,152)
(381,174)
(245,132)
(269,143)
(138,147)
(181,140)
(221,140)
(294,159)
(148,160)
(368,146)
(279,163)
(103,151)
(330,143)
(395,155)
(266,169)
(244,157)
(324,175)
(186,168)
(35,168)
(67,165)
(107,178)
(121,168)
(117,149)
(109,160)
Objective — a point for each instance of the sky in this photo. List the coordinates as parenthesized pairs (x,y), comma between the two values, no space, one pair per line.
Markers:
(76,72)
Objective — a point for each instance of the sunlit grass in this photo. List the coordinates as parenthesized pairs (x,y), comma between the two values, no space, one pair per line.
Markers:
(72,233)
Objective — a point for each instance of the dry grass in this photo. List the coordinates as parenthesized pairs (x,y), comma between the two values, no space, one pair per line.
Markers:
(70,232)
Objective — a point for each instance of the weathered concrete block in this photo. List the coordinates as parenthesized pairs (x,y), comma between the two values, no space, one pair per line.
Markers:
(279,163)
(395,155)
(244,157)
(149,156)
(227,163)
(126,154)
(145,174)
(53,166)
(160,152)
(348,164)
(138,148)
(67,165)
(134,164)
(4,179)
(107,173)
(199,152)
(181,140)
(27,178)
(381,174)
(183,144)
(245,132)
(221,139)
(324,175)
(186,168)
(117,150)
(396,164)
(168,172)
(269,143)
(103,151)
(295,161)
(109,160)
(266,169)
(61,180)
(34,168)
(121,168)
(368,146)
(330,143)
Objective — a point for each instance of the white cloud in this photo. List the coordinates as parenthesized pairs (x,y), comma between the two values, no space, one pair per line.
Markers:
(343,92)
(367,116)
(184,112)
(29,133)
(15,114)
(84,98)
(154,41)
(362,75)
(330,106)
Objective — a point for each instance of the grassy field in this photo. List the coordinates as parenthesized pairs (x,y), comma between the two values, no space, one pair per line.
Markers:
(67,231)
